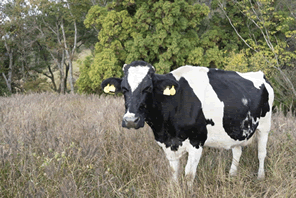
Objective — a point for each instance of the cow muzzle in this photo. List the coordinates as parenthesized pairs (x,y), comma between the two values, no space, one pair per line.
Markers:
(131,122)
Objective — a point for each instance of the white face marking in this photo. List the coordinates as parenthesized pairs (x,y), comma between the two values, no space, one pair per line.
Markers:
(136,76)
(245,101)
(129,115)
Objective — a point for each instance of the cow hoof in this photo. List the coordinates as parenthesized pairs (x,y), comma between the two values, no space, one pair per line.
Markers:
(261,177)
(189,181)
(189,184)
(232,173)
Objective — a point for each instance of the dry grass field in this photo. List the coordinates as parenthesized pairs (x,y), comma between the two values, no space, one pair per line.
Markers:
(74,146)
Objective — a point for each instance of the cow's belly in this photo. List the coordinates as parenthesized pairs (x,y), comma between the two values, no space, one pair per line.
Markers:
(220,139)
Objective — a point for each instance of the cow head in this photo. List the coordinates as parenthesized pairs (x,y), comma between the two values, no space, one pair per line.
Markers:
(139,85)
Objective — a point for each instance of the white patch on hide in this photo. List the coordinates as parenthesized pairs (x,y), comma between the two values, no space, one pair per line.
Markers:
(248,131)
(245,101)
(256,78)
(173,155)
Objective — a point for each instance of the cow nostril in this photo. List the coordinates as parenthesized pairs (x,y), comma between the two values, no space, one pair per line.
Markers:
(136,119)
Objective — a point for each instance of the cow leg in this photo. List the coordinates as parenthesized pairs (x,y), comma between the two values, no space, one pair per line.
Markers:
(262,142)
(236,152)
(262,137)
(192,162)
(175,164)
(174,159)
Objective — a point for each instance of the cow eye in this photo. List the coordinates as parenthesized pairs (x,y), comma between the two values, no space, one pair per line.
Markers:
(147,89)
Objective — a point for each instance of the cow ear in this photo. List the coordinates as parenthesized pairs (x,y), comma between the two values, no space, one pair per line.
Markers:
(167,87)
(111,85)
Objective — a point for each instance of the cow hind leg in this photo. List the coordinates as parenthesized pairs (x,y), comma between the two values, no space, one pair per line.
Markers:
(262,137)
(262,142)
(236,152)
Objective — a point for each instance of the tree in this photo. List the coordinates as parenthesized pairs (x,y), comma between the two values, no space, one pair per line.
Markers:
(270,25)
(40,37)
(61,32)
(163,33)
(12,34)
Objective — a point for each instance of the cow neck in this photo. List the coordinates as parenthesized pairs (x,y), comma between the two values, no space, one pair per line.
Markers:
(173,120)
(160,121)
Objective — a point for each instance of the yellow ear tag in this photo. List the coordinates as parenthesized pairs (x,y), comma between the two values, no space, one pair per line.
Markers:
(112,88)
(106,89)
(166,91)
(173,90)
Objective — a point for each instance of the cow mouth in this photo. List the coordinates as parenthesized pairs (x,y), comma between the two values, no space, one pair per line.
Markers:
(132,127)
(132,123)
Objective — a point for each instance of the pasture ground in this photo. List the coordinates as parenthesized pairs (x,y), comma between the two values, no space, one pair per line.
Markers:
(74,146)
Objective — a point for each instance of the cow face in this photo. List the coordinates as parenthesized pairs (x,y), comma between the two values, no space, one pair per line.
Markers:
(139,86)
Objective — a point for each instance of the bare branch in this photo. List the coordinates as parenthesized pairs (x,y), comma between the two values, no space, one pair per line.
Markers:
(222,8)
(268,42)
(75,38)
(49,26)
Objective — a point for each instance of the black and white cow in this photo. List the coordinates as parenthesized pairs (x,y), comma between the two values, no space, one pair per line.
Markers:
(193,107)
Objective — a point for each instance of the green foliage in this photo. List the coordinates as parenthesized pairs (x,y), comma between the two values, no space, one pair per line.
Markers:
(3,88)
(109,67)
(163,33)
(266,26)
(284,97)
(167,37)
(36,85)
(244,62)
(171,34)
(83,83)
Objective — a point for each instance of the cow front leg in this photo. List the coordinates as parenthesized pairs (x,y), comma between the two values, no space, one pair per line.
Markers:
(174,159)
(192,162)
(174,164)
(236,152)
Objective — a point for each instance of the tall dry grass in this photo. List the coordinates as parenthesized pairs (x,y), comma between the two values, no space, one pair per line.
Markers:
(74,146)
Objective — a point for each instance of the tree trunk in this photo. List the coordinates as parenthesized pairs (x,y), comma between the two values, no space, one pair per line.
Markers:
(69,68)
(8,78)
(62,74)
(70,56)
(71,80)
(52,78)
(66,76)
